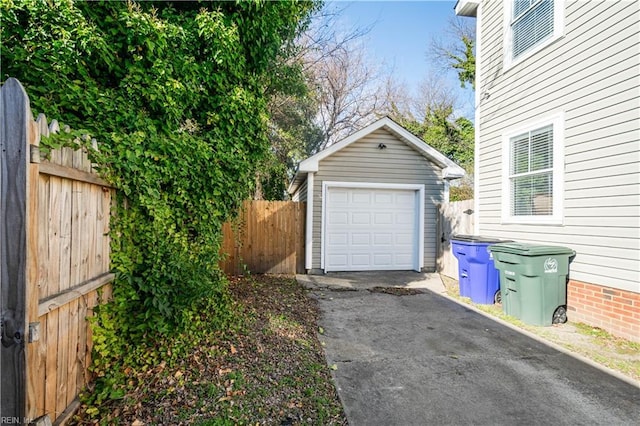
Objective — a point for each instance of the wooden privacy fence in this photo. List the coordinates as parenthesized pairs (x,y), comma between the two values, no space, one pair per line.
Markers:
(54,265)
(267,237)
(453,218)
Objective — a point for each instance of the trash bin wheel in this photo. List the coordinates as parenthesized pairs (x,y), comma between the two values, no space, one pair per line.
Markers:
(560,315)
(497,298)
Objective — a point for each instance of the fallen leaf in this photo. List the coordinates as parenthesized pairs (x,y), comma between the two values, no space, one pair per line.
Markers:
(137,422)
(233,350)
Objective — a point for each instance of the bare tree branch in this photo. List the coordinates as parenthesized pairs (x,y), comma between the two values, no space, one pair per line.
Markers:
(455,49)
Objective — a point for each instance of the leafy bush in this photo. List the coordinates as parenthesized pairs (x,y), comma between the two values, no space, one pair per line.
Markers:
(460,193)
(175,94)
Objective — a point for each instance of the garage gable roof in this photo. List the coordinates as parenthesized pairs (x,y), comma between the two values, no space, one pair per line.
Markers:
(450,170)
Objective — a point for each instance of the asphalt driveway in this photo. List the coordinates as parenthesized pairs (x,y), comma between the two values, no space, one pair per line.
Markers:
(422,359)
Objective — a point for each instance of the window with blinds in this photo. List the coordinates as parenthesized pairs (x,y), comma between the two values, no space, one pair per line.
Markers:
(532,23)
(531,173)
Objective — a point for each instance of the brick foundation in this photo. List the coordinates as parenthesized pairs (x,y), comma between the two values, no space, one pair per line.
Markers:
(613,310)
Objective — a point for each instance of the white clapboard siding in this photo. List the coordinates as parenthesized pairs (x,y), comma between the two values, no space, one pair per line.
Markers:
(625,144)
(591,76)
(301,193)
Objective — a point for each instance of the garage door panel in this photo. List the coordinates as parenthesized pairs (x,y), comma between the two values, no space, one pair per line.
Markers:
(338,260)
(363,198)
(338,239)
(385,218)
(382,239)
(404,259)
(360,218)
(360,259)
(406,200)
(363,239)
(371,229)
(382,260)
(338,197)
(405,218)
(383,198)
(404,239)
(338,218)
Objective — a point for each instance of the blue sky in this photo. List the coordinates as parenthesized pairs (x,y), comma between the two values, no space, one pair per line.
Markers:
(401,34)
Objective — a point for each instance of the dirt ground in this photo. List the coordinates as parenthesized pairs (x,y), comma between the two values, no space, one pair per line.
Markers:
(619,355)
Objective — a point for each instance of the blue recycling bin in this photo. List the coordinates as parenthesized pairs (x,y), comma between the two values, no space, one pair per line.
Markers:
(478,277)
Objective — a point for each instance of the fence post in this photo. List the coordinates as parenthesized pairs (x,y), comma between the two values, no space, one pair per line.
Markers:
(17,129)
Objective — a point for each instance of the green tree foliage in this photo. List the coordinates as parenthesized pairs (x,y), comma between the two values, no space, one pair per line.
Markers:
(176,93)
(465,63)
(454,137)
(292,131)
(451,136)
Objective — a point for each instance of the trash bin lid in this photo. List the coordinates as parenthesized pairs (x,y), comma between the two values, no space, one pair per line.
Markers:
(477,239)
(527,249)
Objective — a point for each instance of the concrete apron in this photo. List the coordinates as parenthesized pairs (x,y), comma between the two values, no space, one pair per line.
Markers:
(423,359)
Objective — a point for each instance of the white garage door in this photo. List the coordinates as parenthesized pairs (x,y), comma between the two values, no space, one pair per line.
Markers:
(371,229)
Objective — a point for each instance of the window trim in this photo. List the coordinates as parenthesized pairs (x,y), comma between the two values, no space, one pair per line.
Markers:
(558,32)
(557,121)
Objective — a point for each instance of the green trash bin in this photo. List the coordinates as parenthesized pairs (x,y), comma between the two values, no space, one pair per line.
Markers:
(533,281)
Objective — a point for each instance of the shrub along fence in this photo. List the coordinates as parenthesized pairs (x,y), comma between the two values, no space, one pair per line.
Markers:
(55,261)
(267,237)
(54,265)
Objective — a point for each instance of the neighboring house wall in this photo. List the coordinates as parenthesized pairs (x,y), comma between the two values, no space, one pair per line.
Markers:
(301,193)
(588,81)
(362,161)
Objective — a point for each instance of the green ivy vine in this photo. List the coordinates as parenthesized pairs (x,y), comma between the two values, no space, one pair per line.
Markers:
(176,95)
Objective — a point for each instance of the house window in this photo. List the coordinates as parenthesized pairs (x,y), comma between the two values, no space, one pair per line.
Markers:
(532,173)
(531,25)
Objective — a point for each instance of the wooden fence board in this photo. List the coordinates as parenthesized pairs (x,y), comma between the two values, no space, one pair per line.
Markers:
(54,246)
(105,208)
(267,237)
(64,281)
(51,372)
(81,352)
(62,365)
(94,226)
(72,364)
(55,169)
(77,235)
(43,236)
(41,367)
(31,336)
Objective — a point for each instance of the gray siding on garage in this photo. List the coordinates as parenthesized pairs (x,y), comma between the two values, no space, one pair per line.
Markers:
(362,161)
(591,74)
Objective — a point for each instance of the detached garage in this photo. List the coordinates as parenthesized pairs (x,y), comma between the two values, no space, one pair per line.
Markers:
(371,201)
